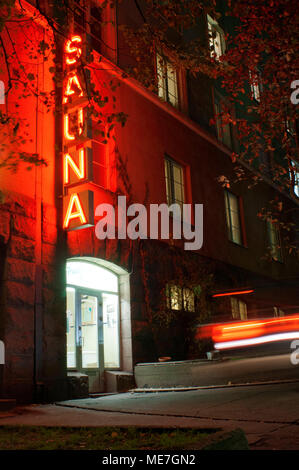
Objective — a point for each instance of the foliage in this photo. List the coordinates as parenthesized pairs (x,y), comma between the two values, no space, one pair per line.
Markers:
(256,72)
(100,438)
(181,271)
(262,44)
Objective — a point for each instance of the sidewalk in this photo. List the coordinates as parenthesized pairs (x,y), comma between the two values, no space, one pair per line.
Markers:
(268,414)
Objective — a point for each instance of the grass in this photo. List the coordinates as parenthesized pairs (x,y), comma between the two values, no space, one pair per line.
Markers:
(104,438)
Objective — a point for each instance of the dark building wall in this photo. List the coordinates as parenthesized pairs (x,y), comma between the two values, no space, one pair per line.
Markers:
(34,367)
(149,135)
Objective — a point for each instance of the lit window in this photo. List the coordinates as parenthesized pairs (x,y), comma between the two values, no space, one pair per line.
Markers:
(188,300)
(294,177)
(216,38)
(239,309)
(255,85)
(180,298)
(274,241)
(174,178)
(174,297)
(167,81)
(91,276)
(233,217)
(224,125)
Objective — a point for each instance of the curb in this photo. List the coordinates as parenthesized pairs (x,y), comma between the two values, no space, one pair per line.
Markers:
(207,387)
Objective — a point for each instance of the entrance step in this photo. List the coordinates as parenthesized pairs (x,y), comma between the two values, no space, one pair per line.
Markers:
(7,404)
(118,381)
(77,385)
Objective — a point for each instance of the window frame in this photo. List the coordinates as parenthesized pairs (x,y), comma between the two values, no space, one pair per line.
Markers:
(169,164)
(255,85)
(97,43)
(162,62)
(240,311)
(181,300)
(212,28)
(294,177)
(274,241)
(228,217)
(220,102)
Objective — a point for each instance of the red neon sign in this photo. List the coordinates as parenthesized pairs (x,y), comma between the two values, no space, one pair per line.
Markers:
(78,170)
(80,123)
(78,206)
(73,87)
(74,211)
(72,50)
(240,292)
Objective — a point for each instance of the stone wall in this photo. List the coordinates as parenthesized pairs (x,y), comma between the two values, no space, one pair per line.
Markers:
(32,298)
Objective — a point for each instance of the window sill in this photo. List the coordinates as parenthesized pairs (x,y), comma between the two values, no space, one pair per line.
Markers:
(238,244)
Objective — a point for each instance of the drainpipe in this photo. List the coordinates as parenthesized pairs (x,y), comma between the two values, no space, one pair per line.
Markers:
(38,284)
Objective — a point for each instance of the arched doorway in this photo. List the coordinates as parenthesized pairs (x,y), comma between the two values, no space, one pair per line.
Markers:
(93,318)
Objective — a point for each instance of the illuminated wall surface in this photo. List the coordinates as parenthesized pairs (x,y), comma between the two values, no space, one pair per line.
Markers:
(47,216)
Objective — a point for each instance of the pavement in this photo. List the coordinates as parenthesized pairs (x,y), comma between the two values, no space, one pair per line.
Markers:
(268,414)
(267,411)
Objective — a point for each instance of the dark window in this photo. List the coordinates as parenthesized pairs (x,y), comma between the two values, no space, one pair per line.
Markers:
(233,219)
(223,118)
(274,241)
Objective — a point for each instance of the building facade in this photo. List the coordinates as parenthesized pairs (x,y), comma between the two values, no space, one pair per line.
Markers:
(74,305)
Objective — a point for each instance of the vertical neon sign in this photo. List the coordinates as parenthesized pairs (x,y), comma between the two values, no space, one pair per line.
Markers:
(77,159)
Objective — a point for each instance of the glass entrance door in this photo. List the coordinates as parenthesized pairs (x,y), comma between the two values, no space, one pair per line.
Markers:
(85,345)
(90,331)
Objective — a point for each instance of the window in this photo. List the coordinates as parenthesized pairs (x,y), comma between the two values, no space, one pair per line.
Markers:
(274,241)
(255,85)
(239,309)
(180,298)
(278,312)
(216,38)
(92,316)
(174,178)
(289,126)
(294,176)
(167,81)
(223,117)
(87,19)
(233,217)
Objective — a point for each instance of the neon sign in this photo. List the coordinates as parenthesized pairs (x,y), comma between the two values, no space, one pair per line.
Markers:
(68,135)
(71,49)
(77,162)
(73,87)
(74,203)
